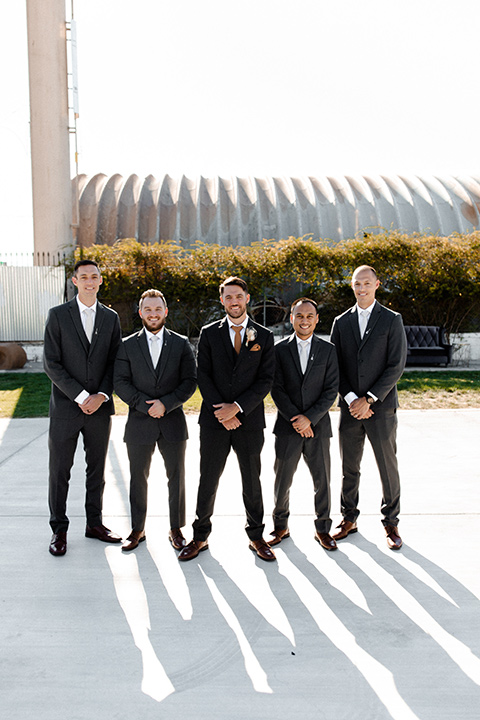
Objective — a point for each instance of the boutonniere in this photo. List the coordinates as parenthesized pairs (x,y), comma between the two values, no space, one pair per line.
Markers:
(251,334)
(256,348)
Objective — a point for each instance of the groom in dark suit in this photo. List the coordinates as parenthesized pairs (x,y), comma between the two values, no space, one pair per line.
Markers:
(371,349)
(155,374)
(305,387)
(81,341)
(235,372)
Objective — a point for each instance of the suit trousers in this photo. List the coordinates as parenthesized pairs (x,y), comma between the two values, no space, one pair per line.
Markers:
(62,443)
(140,456)
(316,453)
(381,430)
(215,446)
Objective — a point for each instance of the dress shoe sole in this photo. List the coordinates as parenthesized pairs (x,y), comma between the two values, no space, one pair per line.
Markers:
(394,547)
(325,547)
(272,559)
(277,540)
(192,557)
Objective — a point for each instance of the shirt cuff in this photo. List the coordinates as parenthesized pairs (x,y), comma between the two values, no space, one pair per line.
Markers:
(81,397)
(372,396)
(350,397)
(104,395)
(239,406)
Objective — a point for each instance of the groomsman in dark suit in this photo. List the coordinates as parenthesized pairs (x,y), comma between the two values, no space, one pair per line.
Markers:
(305,387)
(236,366)
(81,341)
(371,349)
(155,374)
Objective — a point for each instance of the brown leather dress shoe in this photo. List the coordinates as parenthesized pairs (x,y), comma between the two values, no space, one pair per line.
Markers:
(326,541)
(100,532)
(278,535)
(346,528)
(262,549)
(191,550)
(394,541)
(58,544)
(176,538)
(133,540)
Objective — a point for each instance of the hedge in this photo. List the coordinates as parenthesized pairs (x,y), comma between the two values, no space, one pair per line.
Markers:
(431,280)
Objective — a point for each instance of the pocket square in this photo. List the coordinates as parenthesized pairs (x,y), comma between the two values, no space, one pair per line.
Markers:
(255,348)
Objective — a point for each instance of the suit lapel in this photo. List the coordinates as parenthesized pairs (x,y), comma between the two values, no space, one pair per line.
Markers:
(224,328)
(99,320)
(77,321)
(372,321)
(314,349)
(292,345)
(354,325)
(164,355)
(143,345)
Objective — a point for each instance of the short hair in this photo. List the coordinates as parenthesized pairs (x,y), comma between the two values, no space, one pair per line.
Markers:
(233,280)
(300,301)
(81,263)
(365,267)
(152,293)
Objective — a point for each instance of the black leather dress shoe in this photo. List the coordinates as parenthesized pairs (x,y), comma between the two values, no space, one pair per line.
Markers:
(394,541)
(133,540)
(191,550)
(326,541)
(100,532)
(175,536)
(278,535)
(58,544)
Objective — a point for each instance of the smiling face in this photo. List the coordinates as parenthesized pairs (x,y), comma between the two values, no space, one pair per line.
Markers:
(87,280)
(364,286)
(304,319)
(153,312)
(234,299)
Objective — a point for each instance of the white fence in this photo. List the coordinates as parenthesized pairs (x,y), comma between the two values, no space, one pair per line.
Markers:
(26,295)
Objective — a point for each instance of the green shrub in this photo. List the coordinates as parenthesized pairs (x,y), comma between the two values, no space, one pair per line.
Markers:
(431,280)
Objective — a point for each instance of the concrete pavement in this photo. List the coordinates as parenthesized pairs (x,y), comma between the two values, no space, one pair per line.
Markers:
(361,633)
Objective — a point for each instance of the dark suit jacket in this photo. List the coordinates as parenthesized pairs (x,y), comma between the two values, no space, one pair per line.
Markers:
(311,394)
(374,363)
(72,364)
(173,381)
(225,377)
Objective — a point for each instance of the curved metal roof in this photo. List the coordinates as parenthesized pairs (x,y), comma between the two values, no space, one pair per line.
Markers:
(238,211)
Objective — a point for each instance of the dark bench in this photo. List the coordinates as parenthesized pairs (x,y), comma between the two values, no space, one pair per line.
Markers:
(427,345)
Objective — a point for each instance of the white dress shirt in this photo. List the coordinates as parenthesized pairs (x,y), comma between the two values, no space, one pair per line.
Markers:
(159,341)
(351,396)
(81,397)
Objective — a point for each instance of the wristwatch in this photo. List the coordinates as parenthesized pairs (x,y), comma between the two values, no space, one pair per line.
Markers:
(370,400)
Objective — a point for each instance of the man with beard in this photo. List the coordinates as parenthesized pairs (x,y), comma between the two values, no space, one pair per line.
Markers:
(155,374)
(236,366)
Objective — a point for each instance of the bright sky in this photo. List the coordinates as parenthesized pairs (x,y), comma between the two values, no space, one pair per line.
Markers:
(258,87)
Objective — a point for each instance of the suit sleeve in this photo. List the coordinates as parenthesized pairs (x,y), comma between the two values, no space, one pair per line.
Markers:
(106,384)
(281,398)
(210,394)
(249,399)
(123,382)
(397,355)
(187,380)
(52,359)
(343,385)
(329,391)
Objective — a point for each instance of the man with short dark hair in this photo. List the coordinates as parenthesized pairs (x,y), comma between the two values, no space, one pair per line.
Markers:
(304,390)
(235,372)
(155,374)
(81,341)
(371,349)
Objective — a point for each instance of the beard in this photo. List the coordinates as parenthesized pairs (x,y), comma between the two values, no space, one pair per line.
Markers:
(153,328)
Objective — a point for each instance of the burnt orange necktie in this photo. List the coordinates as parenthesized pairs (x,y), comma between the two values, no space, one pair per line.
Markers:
(238,337)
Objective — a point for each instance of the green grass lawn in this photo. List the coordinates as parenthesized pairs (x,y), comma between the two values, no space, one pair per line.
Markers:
(24,395)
